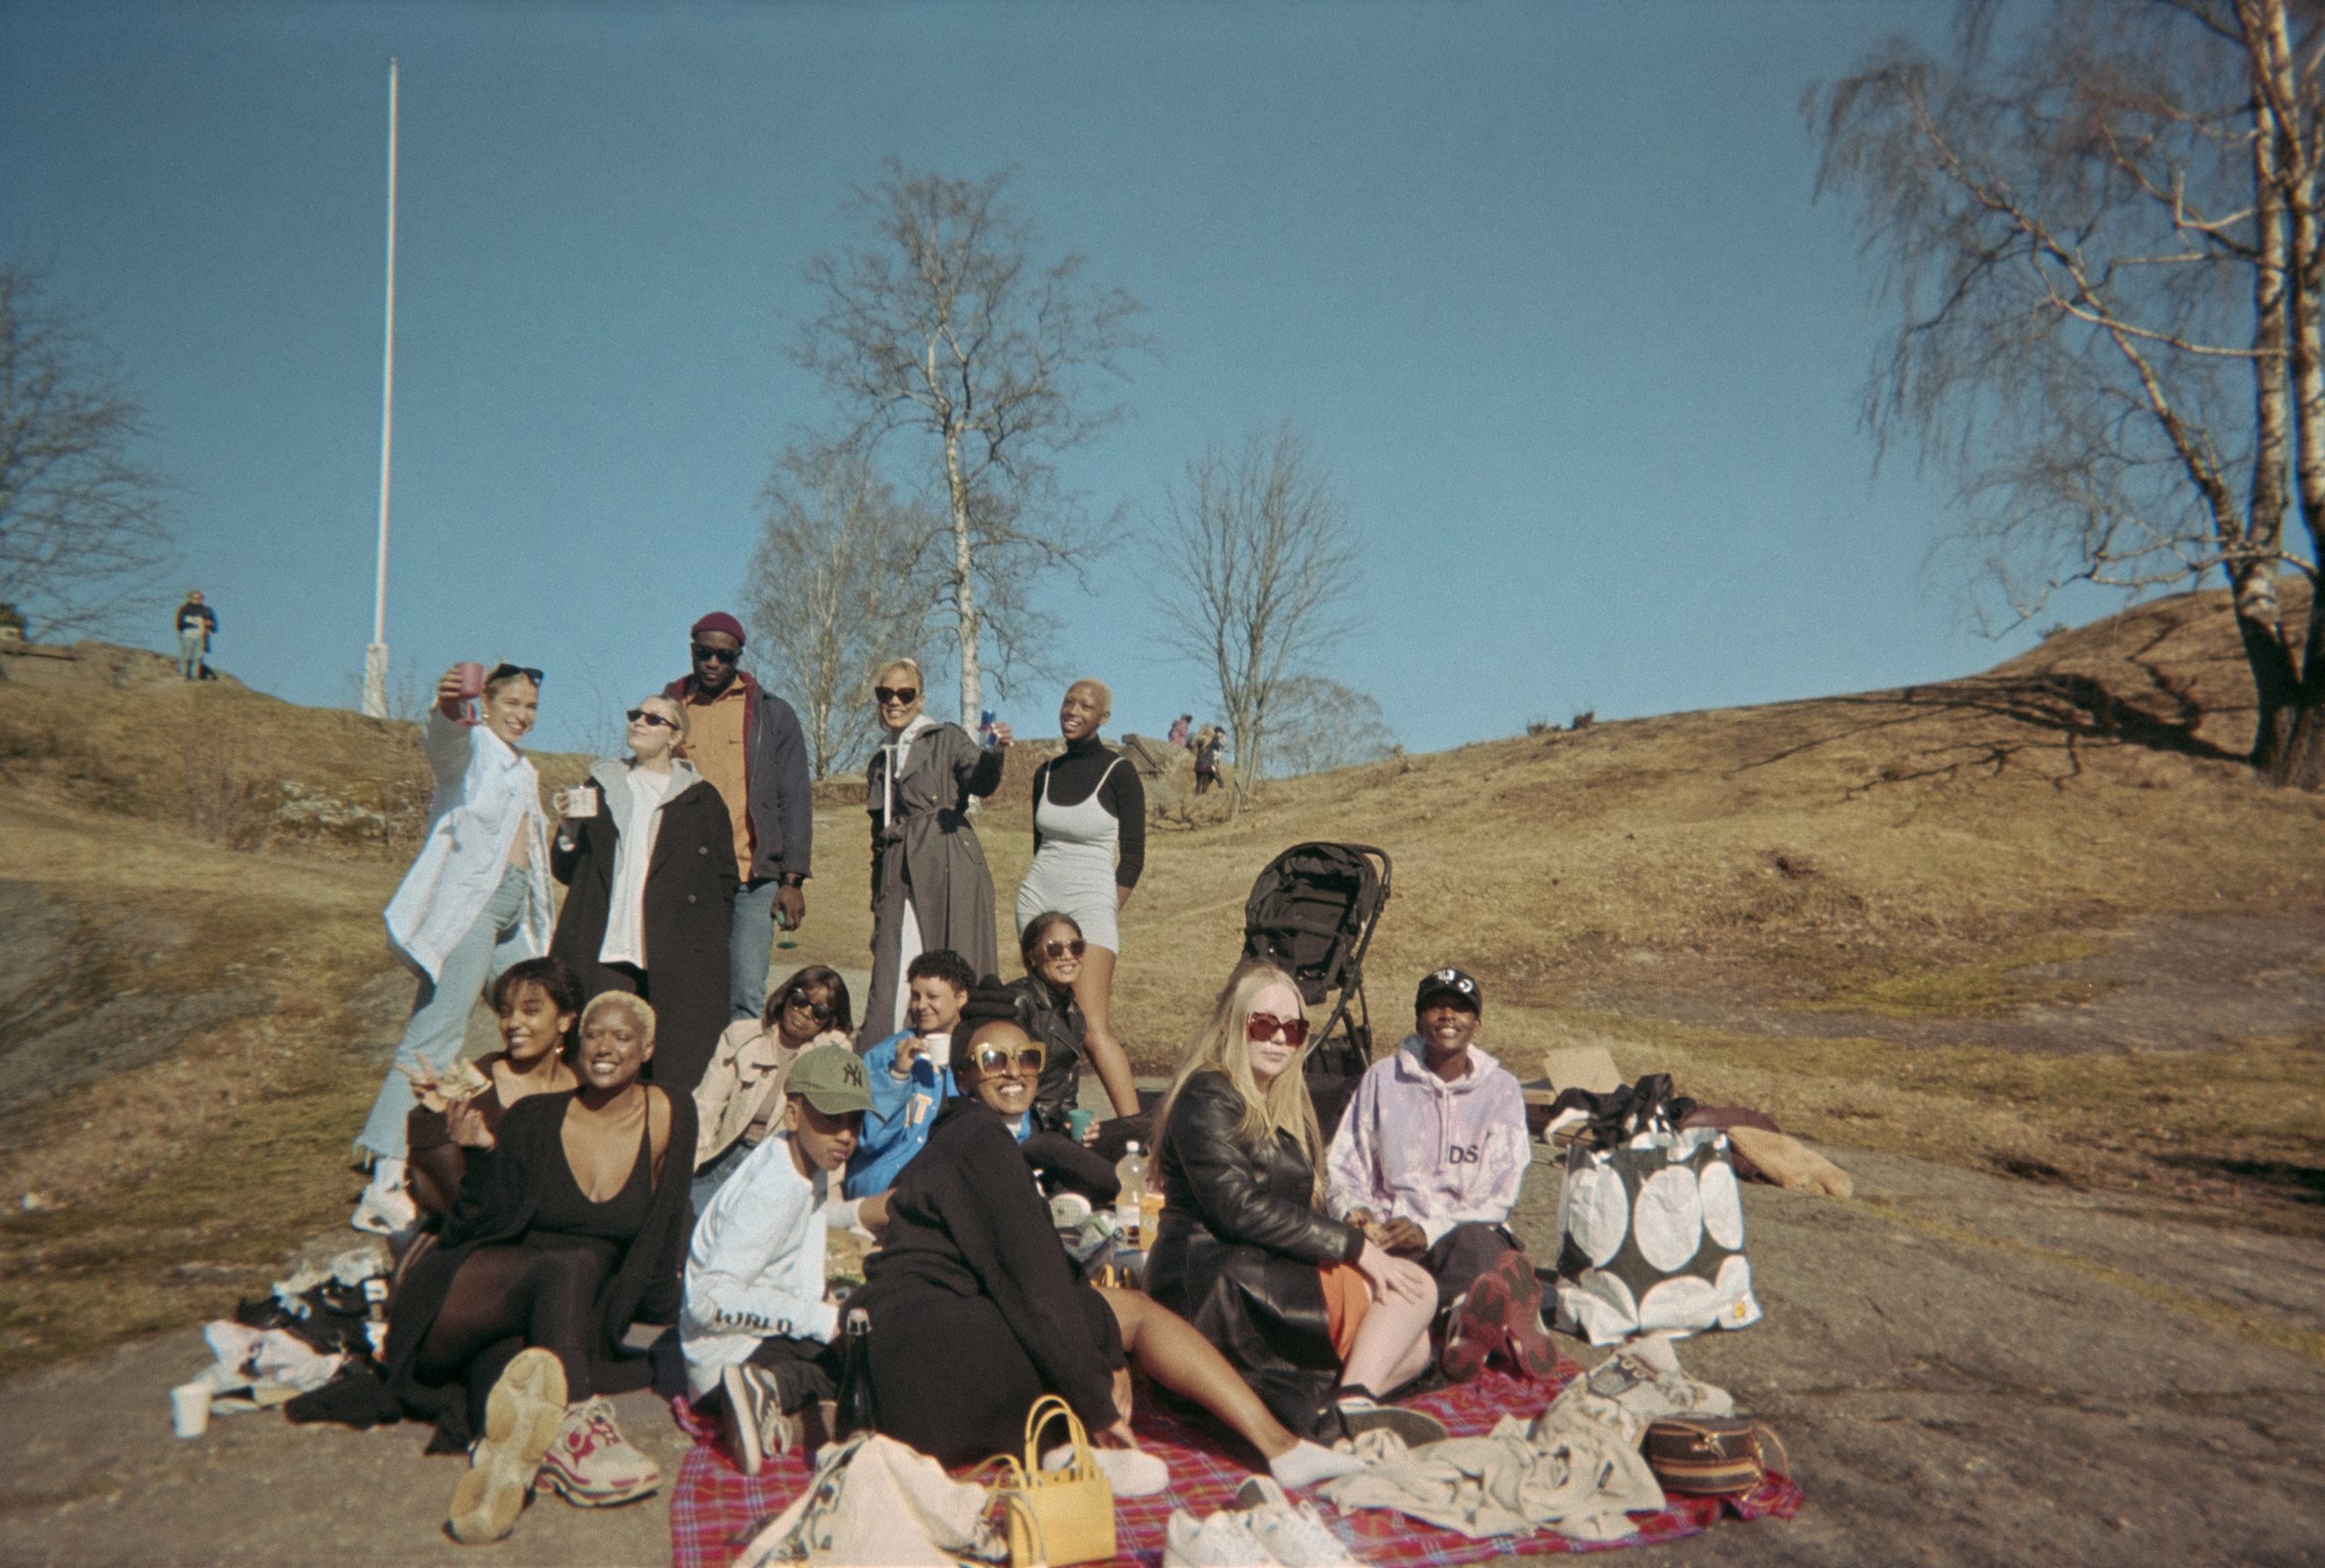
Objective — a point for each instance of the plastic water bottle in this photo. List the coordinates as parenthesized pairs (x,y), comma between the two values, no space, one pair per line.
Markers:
(1131,1171)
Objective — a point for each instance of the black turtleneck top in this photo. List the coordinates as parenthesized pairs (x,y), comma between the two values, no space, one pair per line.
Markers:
(1070,777)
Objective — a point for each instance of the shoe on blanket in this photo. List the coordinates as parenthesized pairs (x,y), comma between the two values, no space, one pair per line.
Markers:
(385,1211)
(592,1465)
(756,1424)
(1294,1534)
(1222,1541)
(1502,1312)
(1361,1413)
(521,1420)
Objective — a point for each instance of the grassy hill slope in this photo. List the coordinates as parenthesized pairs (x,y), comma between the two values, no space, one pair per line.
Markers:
(2036,921)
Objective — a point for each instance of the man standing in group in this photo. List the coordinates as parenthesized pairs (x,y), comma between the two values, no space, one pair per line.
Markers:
(196,621)
(745,741)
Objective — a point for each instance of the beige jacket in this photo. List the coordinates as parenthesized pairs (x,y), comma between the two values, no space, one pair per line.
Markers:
(745,1076)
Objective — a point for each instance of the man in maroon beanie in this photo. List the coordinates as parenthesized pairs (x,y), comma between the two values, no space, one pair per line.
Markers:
(745,741)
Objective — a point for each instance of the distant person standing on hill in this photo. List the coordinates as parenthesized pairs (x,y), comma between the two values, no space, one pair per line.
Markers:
(930,885)
(476,901)
(745,741)
(1089,847)
(1207,747)
(1178,736)
(196,621)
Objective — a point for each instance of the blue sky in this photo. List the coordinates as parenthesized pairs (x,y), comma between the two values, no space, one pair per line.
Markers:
(1544,283)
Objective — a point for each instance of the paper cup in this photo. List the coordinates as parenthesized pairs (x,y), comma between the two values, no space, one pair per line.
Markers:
(190,1408)
(1078,1120)
(580,801)
(471,675)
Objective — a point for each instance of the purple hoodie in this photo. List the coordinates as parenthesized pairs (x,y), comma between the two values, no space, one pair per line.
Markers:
(1415,1147)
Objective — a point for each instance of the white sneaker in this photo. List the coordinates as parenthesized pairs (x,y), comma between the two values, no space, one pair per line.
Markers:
(1222,1541)
(1293,1533)
(756,1424)
(385,1211)
(1130,1472)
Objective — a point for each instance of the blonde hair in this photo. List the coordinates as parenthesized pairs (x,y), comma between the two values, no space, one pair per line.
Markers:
(640,1013)
(1284,1106)
(1105,693)
(678,713)
(906,664)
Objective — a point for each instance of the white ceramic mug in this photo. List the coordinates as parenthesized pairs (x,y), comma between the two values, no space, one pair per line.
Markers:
(580,801)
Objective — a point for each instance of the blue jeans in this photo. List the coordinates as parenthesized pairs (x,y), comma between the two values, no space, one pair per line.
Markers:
(750,944)
(439,1013)
(190,647)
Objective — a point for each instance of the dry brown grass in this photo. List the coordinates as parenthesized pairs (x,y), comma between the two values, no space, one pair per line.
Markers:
(1722,895)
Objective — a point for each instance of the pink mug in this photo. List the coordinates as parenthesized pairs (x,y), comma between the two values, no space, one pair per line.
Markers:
(471,677)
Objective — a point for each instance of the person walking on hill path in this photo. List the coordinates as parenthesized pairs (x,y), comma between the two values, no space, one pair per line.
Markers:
(1178,736)
(476,901)
(745,741)
(196,622)
(1207,747)
(930,885)
(1089,848)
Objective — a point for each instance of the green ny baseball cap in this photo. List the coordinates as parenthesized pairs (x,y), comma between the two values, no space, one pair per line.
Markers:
(831,1079)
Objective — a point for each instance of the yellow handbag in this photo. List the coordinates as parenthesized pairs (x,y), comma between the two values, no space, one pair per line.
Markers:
(1055,1517)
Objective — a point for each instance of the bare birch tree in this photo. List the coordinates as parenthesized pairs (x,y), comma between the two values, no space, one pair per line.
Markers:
(82,533)
(839,581)
(2101,232)
(941,327)
(1260,564)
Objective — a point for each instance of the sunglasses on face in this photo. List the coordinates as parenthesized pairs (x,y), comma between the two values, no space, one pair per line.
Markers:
(502,672)
(1058,947)
(1027,1058)
(1263,1027)
(906,695)
(704,653)
(821,1011)
(648,716)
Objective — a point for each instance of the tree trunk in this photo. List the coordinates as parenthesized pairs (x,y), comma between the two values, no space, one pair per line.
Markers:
(967,621)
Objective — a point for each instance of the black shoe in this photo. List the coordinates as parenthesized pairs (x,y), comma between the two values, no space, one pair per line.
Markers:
(1360,1414)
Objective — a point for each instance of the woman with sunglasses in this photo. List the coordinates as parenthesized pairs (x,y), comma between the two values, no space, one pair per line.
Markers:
(977,1312)
(930,885)
(1321,1322)
(476,899)
(646,849)
(1089,847)
(740,1098)
(1053,949)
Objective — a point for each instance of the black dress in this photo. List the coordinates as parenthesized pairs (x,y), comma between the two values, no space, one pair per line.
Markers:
(1239,1248)
(630,1247)
(975,1310)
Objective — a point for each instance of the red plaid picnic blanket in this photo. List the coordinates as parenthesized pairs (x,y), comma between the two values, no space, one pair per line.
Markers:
(716,1509)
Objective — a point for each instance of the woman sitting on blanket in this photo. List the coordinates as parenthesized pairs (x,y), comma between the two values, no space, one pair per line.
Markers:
(975,1311)
(1324,1323)
(570,1233)
(538,1002)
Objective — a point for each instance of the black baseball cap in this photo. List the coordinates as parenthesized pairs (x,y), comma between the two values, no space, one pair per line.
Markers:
(1449,981)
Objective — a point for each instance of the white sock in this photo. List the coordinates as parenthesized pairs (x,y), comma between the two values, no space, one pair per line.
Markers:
(1305,1464)
(387,1173)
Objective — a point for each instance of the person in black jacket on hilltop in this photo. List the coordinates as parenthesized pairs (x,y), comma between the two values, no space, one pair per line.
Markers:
(512,1325)
(977,1312)
(647,849)
(1324,1323)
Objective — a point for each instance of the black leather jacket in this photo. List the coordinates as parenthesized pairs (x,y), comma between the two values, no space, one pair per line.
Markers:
(1056,1022)
(1216,1188)
(1239,1248)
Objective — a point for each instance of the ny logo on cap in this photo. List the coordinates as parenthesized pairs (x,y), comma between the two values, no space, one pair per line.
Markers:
(853,1069)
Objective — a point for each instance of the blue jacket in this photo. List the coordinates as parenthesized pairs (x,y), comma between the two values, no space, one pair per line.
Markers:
(899,1122)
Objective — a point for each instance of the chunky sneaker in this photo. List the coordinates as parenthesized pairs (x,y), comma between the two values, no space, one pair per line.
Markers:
(1502,1312)
(1359,1414)
(592,1465)
(521,1420)
(1294,1534)
(385,1211)
(1222,1541)
(756,1424)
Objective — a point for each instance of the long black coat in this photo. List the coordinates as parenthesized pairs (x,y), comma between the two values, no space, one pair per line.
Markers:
(1239,1250)
(689,901)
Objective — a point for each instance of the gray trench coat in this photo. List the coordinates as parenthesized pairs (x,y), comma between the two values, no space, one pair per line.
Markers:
(923,849)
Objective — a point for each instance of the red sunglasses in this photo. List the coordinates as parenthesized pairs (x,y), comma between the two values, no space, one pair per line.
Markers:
(1263,1027)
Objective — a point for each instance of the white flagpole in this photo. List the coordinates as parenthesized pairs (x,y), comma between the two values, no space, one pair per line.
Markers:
(375,657)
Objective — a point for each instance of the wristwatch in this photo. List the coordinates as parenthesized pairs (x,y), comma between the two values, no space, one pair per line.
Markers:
(793,879)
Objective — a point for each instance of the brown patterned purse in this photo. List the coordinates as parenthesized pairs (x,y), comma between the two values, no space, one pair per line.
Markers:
(1713,1456)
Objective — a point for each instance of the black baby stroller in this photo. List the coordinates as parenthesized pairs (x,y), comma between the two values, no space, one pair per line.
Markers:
(1311,913)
